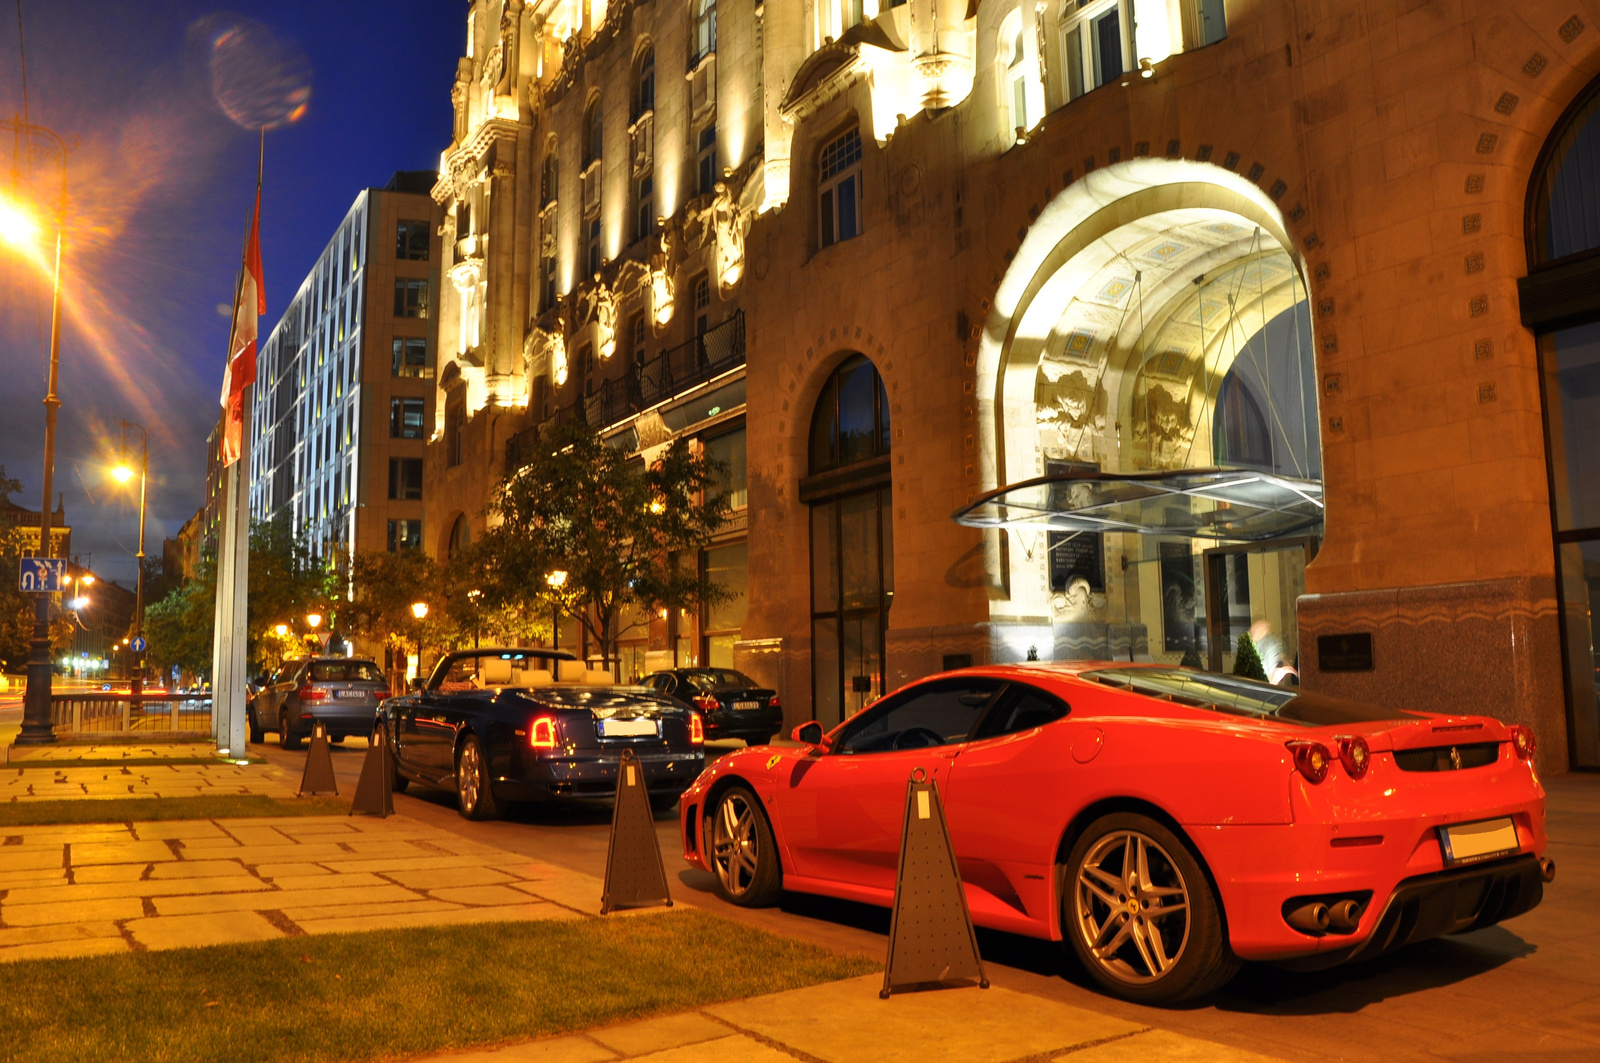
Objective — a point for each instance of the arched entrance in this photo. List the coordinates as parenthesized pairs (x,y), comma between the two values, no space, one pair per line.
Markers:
(1561,303)
(1154,320)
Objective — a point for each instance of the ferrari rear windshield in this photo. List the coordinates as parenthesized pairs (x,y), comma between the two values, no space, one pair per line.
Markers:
(1241,697)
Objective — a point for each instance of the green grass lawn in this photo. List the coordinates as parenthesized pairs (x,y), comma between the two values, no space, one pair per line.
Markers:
(393,992)
(145,809)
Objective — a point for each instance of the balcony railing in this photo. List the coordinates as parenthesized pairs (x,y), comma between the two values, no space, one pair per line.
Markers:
(670,373)
(682,367)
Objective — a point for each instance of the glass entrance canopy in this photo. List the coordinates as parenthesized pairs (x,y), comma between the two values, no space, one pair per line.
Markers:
(1240,505)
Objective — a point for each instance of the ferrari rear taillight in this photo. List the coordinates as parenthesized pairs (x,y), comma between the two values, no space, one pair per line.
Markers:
(706,703)
(1354,755)
(311,693)
(1311,759)
(697,730)
(542,735)
(1522,741)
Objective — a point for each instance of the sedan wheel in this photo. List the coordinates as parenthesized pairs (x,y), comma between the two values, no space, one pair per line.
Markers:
(1140,914)
(474,796)
(744,857)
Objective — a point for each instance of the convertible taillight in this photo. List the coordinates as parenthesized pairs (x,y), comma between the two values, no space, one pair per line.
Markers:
(1311,759)
(697,730)
(1522,741)
(706,703)
(542,735)
(311,693)
(1354,755)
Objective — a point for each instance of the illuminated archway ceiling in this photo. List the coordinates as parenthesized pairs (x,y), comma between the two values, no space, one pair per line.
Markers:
(1149,333)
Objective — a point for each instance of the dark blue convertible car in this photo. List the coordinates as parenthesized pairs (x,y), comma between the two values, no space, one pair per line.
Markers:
(536,725)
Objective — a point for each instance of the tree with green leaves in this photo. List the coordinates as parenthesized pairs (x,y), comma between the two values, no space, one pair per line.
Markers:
(1246,661)
(626,533)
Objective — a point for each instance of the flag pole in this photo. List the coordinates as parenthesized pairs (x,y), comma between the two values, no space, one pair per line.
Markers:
(230,662)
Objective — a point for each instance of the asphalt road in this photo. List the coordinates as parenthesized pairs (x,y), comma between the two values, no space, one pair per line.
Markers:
(1529,988)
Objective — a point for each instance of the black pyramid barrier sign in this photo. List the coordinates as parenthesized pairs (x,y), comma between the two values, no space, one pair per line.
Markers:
(635,877)
(931,940)
(318,778)
(374,791)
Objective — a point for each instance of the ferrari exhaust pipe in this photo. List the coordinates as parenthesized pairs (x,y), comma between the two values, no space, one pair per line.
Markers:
(1309,918)
(1547,869)
(1344,915)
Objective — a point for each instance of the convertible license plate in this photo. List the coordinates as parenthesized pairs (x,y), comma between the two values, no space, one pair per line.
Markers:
(1468,843)
(745,706)
(627,728)
(353,695)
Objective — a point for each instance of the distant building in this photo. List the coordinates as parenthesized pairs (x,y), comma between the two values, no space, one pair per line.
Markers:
(344,389)
(181,556)
(15,516)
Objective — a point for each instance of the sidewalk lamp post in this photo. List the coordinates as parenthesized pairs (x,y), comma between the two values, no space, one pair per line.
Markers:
(476,598)
(125,472)
(420,611)
(19,229)
(556,580)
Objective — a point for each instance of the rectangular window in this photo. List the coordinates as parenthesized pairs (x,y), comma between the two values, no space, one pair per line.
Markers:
(411,241)
(706,161)
(405,418)
(405,479)
(644,222)
(636,338)
(411,358)
(728,451)
(705,30)
(839,189)
(729,568)
(702,304)
(411,298)
(594,247)
(405,535)
(1213,21)
(1106,35)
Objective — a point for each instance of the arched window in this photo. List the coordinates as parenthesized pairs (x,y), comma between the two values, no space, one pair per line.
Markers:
(851,421)
(1561,301)
(593,132)
(1241,428)
(704,39)
(460,535)
(852,540)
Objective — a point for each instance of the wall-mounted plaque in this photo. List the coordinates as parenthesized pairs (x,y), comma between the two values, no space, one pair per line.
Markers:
(1077,554)
(1345,653)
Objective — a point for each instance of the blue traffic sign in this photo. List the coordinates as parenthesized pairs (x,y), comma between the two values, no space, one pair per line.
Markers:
(42,575)
(139,644)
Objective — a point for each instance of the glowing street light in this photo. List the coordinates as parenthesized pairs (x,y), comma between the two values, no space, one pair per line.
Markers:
(419,610)
(19,228)
(314,620)
(282,630)
(556,580)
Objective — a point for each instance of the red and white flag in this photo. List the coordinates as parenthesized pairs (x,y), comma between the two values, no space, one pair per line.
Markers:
(248,307)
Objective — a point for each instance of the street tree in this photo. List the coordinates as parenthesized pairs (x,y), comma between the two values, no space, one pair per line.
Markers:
(16,608)
(626,533)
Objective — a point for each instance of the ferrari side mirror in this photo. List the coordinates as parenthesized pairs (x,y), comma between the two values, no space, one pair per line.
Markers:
(808,733)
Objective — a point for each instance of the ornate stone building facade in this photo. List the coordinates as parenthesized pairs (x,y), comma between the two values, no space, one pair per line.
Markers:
(1340,247)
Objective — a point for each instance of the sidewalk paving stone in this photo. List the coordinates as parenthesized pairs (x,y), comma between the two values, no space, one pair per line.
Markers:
(76,890)
(1162,1045)
(668,1031)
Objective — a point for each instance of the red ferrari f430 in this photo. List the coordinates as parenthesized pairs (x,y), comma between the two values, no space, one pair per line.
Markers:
(1165,823)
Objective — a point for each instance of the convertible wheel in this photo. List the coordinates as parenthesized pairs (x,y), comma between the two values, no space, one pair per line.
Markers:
(744,857)
(1140,913)
(397,782)
(474,796)
(286,736)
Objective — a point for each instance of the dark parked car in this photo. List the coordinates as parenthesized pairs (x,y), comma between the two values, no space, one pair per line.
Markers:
(342,693)
(735,706)
(522,724)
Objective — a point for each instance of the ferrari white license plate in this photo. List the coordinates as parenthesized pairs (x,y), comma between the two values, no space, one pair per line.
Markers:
(745,706)
(1468,843)
(627,728)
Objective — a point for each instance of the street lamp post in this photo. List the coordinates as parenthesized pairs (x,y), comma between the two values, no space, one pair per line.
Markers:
(124,472)
(556,580)
(420,611)
(17,228)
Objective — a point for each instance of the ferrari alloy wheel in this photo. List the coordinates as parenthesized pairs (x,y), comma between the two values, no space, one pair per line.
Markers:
(744,857)
(1140,913)
(473,793)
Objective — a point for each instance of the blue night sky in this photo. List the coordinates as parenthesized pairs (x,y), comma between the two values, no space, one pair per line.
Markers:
(161,181)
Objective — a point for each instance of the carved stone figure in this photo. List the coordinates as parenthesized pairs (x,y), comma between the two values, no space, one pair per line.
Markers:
(663,283)
(600,307)
(727,225)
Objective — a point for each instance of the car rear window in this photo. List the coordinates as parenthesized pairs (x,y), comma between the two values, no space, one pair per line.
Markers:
(712,678)
(345,672)
(1238,696)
